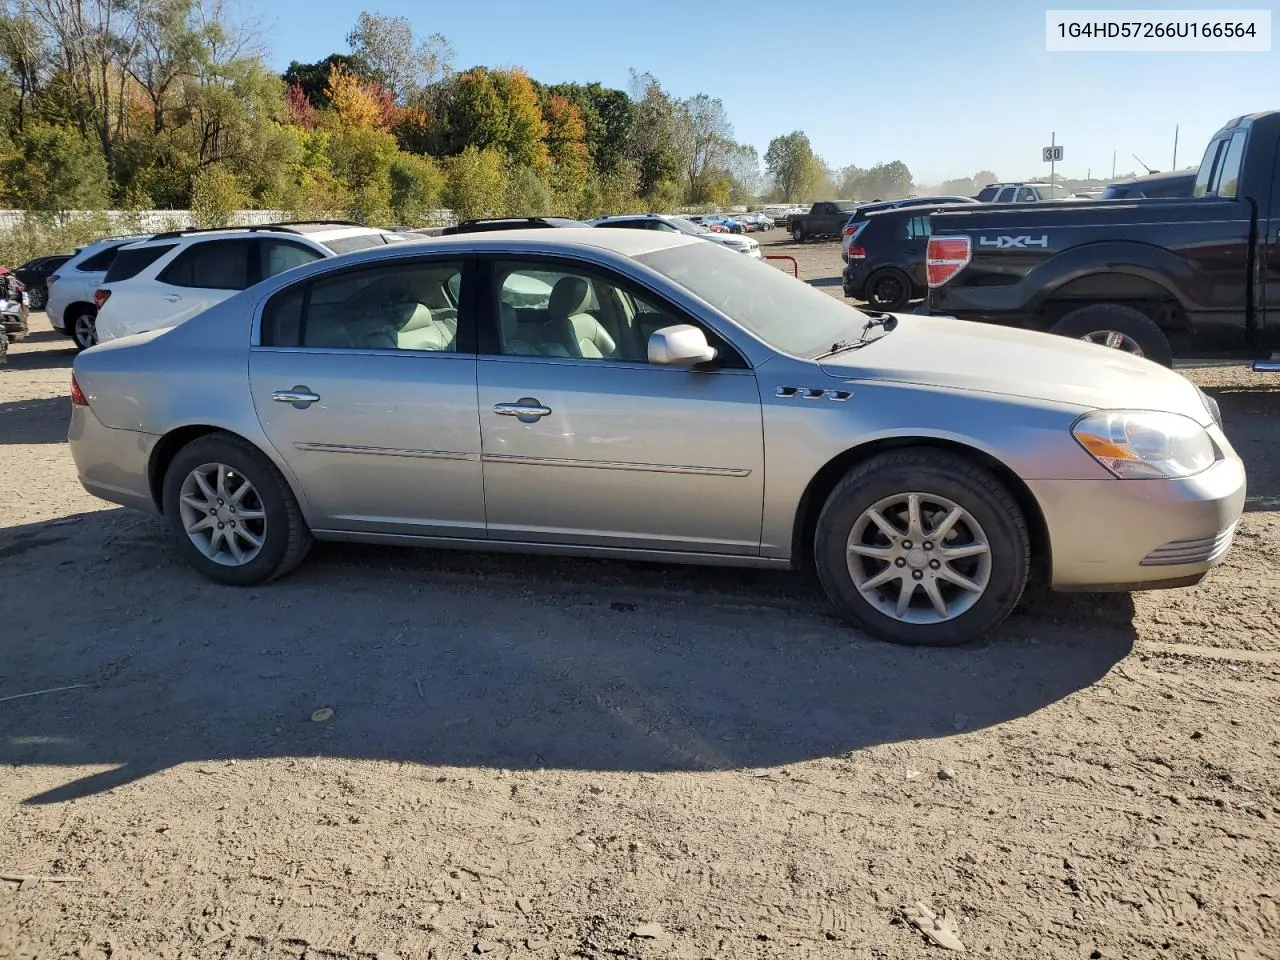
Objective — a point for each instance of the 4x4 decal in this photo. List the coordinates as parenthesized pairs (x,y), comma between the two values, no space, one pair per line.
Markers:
(1016,243)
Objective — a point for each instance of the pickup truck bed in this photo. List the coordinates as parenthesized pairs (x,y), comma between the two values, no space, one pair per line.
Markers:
(1157,277)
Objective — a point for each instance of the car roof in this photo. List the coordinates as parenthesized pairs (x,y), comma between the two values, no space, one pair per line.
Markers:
(318,232)
(1188,174)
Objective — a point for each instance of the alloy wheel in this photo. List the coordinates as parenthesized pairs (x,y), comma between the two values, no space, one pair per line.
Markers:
(1115,340)
(222,514)
(85,330)
(919,558)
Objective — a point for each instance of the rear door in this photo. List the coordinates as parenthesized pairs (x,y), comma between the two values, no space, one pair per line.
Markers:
(202,275)
(914,234)
(364,380)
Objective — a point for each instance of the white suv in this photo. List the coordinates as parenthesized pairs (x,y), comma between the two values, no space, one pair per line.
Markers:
(70,307)
(171,277)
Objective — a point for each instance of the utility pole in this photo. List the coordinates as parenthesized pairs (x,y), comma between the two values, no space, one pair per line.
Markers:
(1113,164)
(1175,149)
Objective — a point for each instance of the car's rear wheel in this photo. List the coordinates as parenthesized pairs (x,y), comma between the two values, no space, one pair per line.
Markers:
(37,298)
(1119,327)
(231,513)
(83,327)
(922,547)
(888,289)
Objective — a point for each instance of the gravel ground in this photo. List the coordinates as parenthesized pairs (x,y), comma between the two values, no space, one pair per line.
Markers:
(550,758)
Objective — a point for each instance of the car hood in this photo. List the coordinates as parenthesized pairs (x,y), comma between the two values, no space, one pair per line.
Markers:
(965,355)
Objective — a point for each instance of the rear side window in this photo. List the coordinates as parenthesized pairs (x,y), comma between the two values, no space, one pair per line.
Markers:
(916,228)
(282,317)
(129,263)
(214,265)
(101,261)
(1027,195)
(987,194)
(281,255)
(1006,195)
(1227,180)
(1209,167)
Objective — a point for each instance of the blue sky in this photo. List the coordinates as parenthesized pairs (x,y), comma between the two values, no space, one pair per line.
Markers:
(947,87)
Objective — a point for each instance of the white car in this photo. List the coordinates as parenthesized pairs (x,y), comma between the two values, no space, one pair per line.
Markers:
(656,221)
(70,306)
(171,277)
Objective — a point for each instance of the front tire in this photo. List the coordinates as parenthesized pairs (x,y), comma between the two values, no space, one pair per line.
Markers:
(797,233)
(922,547)
(231,513)
(1119,327)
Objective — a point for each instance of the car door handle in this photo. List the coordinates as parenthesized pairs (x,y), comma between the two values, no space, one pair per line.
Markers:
(526,408)
(298,396)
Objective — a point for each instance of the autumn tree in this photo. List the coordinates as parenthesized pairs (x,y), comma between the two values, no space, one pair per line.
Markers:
(567,148)
(792,166)
(397,60)
(313,78)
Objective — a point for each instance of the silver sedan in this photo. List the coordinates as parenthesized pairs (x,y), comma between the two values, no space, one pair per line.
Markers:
(642,395)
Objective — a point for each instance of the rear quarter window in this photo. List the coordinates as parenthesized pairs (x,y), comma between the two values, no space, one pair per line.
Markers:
(130,263)
(101,261)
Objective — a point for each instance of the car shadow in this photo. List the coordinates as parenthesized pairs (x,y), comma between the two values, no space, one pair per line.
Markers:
(444,658)
(1250,415)
(826,282)
(42,420)
(22,357)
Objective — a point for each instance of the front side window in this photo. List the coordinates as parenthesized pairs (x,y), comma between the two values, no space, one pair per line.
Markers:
(987,194)
(403,306)
(1006,195)
(554,310)
(214,265)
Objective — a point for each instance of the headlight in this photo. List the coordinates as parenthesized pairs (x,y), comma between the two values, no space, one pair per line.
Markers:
(1211,405)
(1141,445)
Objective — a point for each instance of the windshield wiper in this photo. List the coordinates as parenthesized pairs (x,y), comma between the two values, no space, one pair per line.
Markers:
(886,320)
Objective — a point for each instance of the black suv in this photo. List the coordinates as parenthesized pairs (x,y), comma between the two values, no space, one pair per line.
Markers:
(886,265)
(510,223)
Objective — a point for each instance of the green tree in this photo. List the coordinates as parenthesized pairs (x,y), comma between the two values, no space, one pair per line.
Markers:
(609,118)
(216,196)
(361,159)
(703,136)
(567,147)
(526,131)
(528,194)
(313,78)
(653,137)
(474,113)
(416,184)
(475,183)
(792,166)
(53,170)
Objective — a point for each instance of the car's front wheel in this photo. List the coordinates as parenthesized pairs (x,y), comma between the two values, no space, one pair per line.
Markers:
(231,513)
(797,233)
(922,547)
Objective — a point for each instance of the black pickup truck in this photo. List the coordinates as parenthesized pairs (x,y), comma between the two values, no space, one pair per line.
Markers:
(826,218)
(1155,277)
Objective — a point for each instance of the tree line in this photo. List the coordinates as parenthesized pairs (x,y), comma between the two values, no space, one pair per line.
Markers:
(170,104)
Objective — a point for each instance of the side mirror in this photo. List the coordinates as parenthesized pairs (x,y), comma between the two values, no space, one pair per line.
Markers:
(682,345)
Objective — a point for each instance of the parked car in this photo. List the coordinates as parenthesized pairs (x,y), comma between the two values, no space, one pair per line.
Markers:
(826,218)
(484,225)
(69,306)
(732,224)
(13,307)
(1023,192)
(173,276)
(886,262)
(663,224)
(758,220)
(666,401)
(35,273)
(865,210)
(1159,279)
(1153,185)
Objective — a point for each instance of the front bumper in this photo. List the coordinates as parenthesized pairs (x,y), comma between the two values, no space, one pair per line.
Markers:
(13,317)
(112,464)
(854,279)
(1141,534)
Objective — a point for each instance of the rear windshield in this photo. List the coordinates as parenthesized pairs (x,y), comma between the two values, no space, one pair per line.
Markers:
(360,242)
(130,263)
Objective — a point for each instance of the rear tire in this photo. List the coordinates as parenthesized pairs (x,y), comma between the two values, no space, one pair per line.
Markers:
(888,289)
(976,568)
(1120,327)
(271,509)
(37,299)
(82,327)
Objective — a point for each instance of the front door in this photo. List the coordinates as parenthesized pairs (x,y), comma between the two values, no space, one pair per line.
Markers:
(585,442)
(365,382)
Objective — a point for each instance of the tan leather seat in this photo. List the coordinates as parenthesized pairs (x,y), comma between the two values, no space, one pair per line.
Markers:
(571,327)
(512,343)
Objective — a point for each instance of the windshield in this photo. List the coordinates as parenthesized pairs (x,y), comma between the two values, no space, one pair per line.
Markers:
(688,226)
(787,314)
(1051,192)
(847,206)
(359,242)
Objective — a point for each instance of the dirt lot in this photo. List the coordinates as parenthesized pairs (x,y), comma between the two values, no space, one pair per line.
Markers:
(584,759)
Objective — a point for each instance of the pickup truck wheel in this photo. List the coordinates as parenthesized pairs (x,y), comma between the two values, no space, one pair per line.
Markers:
(888,289)
(922,547)
(1119,327)
(797,233)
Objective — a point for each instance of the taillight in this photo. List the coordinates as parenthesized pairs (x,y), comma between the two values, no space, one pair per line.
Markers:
(946,257)
(100,297)
(857,253)
(77,395)
(49,282)
(848,231)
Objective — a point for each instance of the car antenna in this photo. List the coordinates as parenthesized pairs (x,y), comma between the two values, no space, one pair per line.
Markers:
(1143,165)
